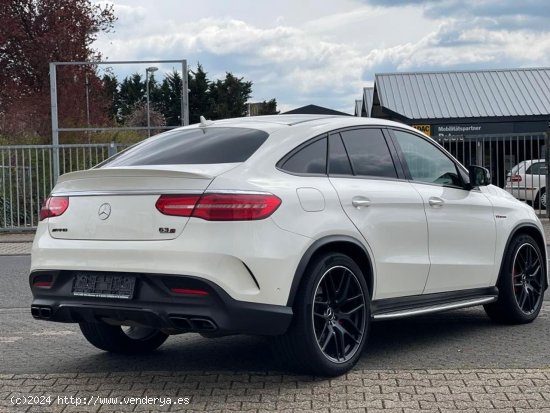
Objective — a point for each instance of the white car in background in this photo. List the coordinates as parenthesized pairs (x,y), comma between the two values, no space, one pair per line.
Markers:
(301,227)
(527,182)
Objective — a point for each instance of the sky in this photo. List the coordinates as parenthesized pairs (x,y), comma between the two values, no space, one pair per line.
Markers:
(324,52)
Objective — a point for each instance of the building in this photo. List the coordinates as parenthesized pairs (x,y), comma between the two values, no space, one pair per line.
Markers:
(494,118)
(315,110)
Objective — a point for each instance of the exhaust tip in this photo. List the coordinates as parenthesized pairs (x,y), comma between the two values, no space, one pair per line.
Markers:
(35,311)
(203,324)
(41,312)
(46,313)
(181,323)
(193,324)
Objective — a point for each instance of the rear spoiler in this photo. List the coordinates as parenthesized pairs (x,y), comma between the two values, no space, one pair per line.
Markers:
(208,171)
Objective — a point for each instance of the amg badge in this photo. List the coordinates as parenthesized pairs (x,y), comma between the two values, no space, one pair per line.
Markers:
(167,230)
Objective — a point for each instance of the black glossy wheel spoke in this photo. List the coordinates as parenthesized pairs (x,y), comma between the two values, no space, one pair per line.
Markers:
(535,283)
(339,314)
(348,333)
(329,336)
(329,289)
(344,289)
(537,268)
(355,331)
(346,314)
(339,340)
(527,278)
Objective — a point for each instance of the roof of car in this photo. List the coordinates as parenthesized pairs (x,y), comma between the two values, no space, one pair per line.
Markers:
(271,123)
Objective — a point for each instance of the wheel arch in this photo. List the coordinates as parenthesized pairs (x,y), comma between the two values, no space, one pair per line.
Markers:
(533,231)
(334,243)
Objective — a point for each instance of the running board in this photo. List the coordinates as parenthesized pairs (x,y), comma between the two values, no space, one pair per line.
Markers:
(434,308)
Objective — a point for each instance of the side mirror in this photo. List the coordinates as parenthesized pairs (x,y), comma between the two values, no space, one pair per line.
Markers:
(479,176)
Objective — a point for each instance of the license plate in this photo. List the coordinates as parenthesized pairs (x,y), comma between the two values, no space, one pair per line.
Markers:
(104,285)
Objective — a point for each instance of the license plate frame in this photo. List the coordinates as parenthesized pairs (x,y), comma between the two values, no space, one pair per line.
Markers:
(108,285)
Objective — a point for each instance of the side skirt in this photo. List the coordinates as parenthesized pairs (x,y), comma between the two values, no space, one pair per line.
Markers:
(400,307)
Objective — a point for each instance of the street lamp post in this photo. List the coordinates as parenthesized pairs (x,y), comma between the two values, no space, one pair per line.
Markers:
(149,71)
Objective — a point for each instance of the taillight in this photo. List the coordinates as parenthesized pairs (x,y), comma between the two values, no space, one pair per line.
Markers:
(515,178)
(220,207)
(54,206)
(178,205)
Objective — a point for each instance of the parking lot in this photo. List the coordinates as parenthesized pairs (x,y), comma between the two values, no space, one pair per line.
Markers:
(449,361)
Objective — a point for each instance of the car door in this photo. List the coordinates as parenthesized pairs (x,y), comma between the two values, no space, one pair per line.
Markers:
(535,180)
(461,223)
(384,207)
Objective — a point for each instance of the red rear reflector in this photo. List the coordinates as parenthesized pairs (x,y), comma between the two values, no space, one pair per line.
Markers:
(42,284)
(178,205)
(54,206)
(516,178)
(220,207)
(188,291)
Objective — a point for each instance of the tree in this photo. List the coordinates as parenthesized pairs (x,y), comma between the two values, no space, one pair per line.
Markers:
(36,32)
(110,90)
(229,96)
(138,117)
(132,91)
(199,99)
(268,108)
(170,98)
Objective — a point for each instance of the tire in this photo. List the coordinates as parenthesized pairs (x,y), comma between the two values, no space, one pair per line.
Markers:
(541,199)
(332,302)
(115,339)
(521,292)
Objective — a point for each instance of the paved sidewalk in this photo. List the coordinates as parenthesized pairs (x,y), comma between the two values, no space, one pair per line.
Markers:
(479,390)
(16,244)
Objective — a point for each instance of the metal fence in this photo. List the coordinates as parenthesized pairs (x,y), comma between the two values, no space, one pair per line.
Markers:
(517,162)
(27,177)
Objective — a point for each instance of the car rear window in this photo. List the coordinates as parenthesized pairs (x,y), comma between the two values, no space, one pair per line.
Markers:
(192,146)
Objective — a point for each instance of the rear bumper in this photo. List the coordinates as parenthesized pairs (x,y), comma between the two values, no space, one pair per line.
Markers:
(154,305)
(252,261)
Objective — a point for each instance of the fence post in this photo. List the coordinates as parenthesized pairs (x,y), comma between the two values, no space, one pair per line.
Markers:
(112,149)
(55,125)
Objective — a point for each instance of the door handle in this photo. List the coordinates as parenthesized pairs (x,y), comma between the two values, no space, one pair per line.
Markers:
(360,201)
(436,202)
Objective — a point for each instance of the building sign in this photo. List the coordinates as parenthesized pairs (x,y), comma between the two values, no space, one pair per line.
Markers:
(470,130)
(466,129)
(427,129)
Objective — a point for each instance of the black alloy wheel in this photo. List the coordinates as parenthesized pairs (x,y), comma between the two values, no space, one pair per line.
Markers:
(339,314)
(521,283)
(527,271)
(331,321)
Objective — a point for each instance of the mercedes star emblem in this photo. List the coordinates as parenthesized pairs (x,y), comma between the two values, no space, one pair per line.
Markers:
(104,211)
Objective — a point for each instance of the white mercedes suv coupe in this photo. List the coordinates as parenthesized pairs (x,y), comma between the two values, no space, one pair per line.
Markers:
(301,227)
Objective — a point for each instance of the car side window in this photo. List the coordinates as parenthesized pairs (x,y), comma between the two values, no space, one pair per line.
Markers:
(369,153)
(425,161)
(538,168)
(311,159)
(338,160)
